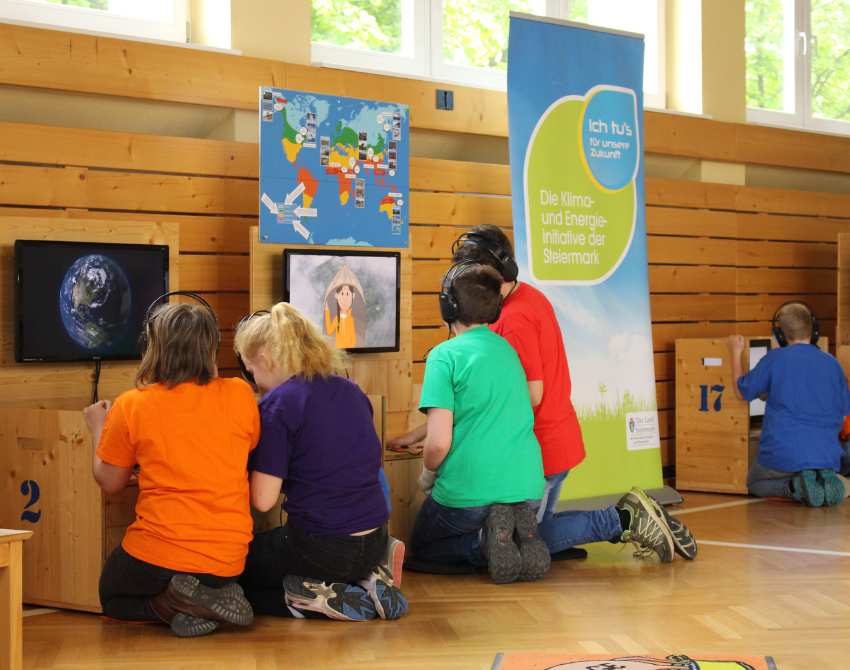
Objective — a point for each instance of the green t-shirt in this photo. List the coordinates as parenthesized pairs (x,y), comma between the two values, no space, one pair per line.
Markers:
(494,455)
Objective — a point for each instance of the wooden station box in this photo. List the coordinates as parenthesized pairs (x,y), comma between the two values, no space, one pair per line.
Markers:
(716,439)
(47,487)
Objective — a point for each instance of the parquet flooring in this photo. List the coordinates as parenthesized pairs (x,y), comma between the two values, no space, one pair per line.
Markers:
(792,605)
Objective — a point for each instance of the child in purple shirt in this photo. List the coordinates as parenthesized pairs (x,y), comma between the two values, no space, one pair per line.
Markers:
(319,447)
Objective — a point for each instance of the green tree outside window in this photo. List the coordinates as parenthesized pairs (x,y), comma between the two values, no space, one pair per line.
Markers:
(373,25)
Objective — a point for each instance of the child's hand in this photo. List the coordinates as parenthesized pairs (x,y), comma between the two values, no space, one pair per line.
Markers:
(95,414)
(402,441)
(737,344)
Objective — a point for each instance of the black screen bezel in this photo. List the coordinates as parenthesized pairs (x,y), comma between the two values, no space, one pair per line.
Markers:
(344,252)
(94,246)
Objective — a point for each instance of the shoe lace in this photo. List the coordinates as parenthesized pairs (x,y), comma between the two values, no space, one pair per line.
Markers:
(645,537)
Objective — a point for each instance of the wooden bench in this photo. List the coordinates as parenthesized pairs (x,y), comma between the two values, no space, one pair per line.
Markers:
(11,592)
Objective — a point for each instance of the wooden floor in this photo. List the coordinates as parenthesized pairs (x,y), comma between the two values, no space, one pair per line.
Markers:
(788,597)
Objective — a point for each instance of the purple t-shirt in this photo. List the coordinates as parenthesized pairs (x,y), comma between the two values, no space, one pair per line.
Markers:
(318,437)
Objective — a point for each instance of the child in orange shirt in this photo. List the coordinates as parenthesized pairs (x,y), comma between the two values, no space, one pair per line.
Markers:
(190,433)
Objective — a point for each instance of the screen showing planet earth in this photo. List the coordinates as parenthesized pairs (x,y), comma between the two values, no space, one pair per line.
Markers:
(81,301)
(95,300)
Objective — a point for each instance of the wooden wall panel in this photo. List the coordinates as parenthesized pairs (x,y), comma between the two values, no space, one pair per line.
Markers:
(54,145)
(125,191)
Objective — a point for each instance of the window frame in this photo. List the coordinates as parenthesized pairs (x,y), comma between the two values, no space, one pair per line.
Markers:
(85,20)
(802,117)
(427,63)
(415,64)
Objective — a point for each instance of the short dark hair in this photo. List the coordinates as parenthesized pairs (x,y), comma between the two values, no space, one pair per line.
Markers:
(493,236)
(477,291)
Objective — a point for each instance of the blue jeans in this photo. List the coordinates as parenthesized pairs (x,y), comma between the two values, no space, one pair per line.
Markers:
(449,535)
(562,530)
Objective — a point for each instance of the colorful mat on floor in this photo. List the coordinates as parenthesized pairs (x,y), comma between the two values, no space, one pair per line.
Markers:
(555,661)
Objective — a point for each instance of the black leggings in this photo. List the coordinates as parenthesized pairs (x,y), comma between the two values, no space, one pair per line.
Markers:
(127,585)
(290,551)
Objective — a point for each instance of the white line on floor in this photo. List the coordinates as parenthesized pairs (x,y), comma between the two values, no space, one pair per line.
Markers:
(768,547)
(38,610)
(706,508)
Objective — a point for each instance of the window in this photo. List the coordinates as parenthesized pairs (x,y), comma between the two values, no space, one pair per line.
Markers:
(466,41)
(150,19)
(798,63)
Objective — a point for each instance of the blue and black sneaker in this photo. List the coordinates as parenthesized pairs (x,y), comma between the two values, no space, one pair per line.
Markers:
(389,601)
(343,602)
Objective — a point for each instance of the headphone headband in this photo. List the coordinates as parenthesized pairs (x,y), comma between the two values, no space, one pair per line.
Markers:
(164,298)
(779,334)
(505,265)
(449,306)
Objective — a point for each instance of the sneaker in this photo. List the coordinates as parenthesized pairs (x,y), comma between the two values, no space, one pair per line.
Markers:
(394,559)
(647,530)
(684,543)
(504,560)
(532,549)
(833,489)
(809,489)
(186,625)
(343,602)
(187,595)
(389,602)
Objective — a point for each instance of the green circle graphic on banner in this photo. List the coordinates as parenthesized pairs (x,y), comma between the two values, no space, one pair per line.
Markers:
(578,230)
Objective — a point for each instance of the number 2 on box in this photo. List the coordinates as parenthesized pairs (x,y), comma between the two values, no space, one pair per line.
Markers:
(30,488)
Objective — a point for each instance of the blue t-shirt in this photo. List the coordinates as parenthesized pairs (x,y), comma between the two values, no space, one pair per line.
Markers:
(318,437)
(807,400)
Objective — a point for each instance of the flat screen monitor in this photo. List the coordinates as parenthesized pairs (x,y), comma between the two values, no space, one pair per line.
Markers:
(758,350)
(353,296)
(78,301)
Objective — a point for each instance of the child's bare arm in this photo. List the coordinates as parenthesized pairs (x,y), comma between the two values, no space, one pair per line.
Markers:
(409,438)
(438,441)
(736,350)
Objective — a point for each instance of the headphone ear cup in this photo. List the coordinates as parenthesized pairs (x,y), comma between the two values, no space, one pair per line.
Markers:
(815,330)
(448,307)
(510,271)
(779,336)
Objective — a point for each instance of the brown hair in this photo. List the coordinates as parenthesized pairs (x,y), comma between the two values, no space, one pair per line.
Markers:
(182,342)
(477,291)
(290,343)
(795,320)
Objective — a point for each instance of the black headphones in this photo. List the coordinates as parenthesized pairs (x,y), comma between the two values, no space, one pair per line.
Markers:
(448,300)
(506,265)
(246,374)
(150,316)
(781,340)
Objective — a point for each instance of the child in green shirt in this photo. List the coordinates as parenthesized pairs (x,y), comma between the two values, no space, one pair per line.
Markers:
(480,441)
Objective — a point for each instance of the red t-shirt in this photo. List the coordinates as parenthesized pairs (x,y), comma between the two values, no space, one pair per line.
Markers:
(529,323)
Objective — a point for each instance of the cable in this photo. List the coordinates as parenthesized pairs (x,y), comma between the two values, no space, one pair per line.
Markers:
(95,381)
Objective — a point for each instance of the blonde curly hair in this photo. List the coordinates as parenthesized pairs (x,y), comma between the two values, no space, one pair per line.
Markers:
(289,342)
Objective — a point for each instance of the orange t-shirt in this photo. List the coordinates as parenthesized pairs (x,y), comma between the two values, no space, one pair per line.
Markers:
(192,444)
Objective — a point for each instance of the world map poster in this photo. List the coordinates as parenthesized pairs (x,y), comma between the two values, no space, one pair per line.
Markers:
(334,171)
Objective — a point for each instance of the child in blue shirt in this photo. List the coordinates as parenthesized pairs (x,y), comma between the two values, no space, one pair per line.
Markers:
(807,398)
